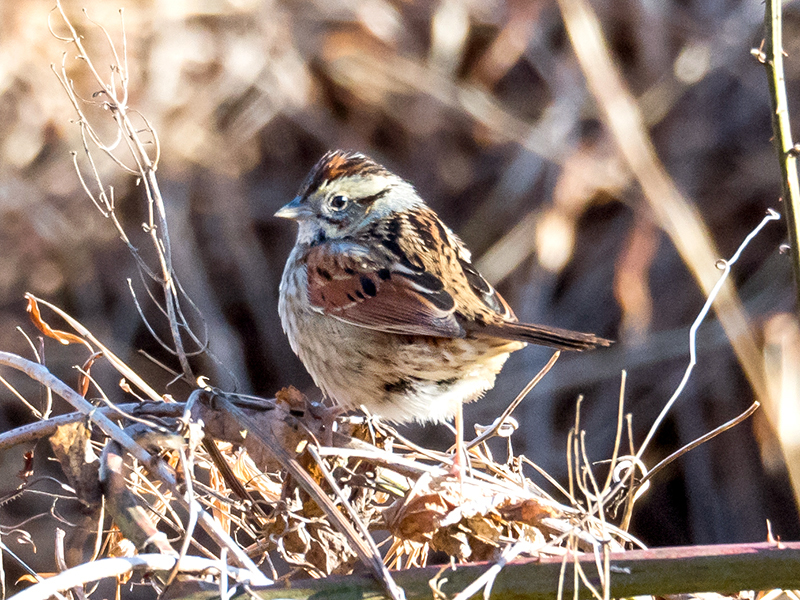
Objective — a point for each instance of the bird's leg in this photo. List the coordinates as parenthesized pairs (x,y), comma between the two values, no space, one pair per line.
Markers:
(460,459)
(327,415)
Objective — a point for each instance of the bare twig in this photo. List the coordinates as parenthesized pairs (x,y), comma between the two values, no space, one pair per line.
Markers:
(725,266)
(61,563)
(115,361)
(21,398)
(116,567)
(26,434)
(114,96)
(361,527)
(492,429)
(699,441)
(618,436)
(156,467)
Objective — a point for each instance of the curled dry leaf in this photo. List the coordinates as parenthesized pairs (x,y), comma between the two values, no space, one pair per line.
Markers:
(293,398)
(63,337)
(27,466)
(84,380)
(528,511)
(418,516)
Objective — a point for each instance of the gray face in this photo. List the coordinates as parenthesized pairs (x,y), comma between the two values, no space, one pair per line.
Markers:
(339,207)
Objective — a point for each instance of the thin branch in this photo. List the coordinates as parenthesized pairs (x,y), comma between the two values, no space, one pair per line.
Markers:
(20,397)
(725,266)
(618,436)
(360,526)
(31,432)
(699,441)
(156,226)
(492,429)
(115,361)
(8,551)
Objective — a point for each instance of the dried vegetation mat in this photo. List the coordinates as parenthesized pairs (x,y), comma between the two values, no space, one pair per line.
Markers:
(299,491)
(225,494)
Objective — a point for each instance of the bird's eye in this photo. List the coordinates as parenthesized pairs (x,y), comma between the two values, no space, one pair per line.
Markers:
(338,202)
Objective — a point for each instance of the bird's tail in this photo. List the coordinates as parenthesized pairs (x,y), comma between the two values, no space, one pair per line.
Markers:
(554,337)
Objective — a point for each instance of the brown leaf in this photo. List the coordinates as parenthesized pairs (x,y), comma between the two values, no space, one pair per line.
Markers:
(289,428)
(418,517)
(27,469)
(527,511)
(294,398)
(83,379)
(64,337)
(72,446)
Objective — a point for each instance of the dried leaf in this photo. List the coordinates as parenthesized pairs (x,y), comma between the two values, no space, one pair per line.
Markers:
(64,337)
(72,446)
(220,509)
(83,379)
(27,469)
(527,510)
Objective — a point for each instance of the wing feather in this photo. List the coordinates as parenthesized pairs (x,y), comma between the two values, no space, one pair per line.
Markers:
(418,280)
(363,292)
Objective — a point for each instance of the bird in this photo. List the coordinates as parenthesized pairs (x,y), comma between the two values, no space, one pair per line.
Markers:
(381,302)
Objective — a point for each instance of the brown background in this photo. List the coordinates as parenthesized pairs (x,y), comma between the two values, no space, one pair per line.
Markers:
(483,106)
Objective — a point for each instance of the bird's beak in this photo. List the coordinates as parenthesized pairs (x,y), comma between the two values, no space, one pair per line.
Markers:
(296,209)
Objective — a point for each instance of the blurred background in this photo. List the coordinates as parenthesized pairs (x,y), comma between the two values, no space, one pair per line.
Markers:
(484,107)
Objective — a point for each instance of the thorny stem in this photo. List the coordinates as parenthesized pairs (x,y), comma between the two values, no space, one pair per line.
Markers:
(654,572)
(772,58)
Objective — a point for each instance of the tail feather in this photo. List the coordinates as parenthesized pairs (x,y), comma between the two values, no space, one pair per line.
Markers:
(554,337)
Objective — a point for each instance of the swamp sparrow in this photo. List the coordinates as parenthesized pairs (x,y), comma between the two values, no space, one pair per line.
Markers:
(381,302)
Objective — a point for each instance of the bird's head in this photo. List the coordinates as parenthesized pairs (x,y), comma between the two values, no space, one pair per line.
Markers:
(343,193)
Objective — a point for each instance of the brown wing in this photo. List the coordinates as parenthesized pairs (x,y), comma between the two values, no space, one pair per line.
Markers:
(380,295)
(417,279)
(480,309)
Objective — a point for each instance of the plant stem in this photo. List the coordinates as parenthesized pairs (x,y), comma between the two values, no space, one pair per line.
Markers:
(772,58)
(660,571)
